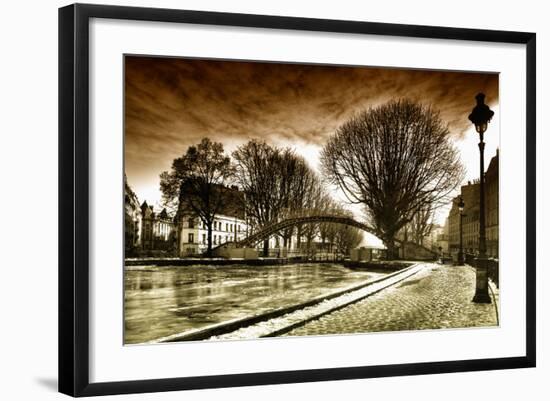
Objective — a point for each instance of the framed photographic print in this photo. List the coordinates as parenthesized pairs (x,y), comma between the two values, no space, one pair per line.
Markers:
(236,190)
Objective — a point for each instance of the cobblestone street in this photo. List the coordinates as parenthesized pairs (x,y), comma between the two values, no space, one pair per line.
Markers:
(437,297)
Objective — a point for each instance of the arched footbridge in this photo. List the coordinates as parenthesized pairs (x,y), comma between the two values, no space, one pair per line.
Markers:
(269,230)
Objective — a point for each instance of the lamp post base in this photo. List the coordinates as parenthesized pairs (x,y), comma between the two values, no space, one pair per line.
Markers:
(482,298)
(482,283)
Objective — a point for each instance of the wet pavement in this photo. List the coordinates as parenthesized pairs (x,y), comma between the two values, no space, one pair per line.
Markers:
(160,301)
(436,298)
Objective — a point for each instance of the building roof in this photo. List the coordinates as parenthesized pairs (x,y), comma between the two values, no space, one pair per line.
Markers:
(149,212)
(232,204)
(493,166)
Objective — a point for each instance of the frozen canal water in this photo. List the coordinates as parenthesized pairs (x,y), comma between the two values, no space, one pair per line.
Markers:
(160,301)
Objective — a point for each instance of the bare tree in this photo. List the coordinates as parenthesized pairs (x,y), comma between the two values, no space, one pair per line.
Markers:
(197,181)
(277,183)
(307,197)
(328,231)
(316,202)
(339,237)
(258,173)
(345,237)
(421,225)
(395,160)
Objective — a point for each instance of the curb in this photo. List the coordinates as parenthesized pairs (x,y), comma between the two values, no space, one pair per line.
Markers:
(219,262)
(492,290)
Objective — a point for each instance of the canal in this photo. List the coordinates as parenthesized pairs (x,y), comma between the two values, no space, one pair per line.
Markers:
(160,301)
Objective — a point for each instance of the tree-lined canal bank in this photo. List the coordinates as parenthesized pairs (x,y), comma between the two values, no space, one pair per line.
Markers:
(161,301)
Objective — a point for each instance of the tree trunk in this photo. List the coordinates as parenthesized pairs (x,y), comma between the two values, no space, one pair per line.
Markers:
(287,238)
(266,247)
(310,251)
(209,235)
(391,249)
(177,239)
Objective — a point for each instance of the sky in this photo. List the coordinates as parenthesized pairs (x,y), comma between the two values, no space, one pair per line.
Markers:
(171,103)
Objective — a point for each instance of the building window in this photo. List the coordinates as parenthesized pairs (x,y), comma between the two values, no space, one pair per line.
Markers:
(226,227)
(191,223)
(204,238)
(191,238)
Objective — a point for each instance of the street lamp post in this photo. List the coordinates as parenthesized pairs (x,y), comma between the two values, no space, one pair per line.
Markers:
(460,249)
(480,117)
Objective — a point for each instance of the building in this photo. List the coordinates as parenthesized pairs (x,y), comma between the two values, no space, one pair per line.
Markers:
(132,220)
(193,239)
(442,239)
(470,220)
(432,241)
(145,230)
(229,225)
(470,215)
(491,207)
(157,230)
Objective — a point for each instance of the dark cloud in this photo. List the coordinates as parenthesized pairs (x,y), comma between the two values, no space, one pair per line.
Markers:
(171,103)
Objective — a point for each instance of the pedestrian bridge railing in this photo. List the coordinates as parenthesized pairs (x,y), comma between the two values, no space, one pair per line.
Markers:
(267,231)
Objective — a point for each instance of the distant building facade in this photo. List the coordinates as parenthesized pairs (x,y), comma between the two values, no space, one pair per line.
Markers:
(157,230)
(132,219)
(470,222)
(442,239)
(432,241)
(194,233)
(144,229)
(229,224)
(491,207)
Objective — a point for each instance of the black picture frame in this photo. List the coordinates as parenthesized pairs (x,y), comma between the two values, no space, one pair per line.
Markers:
(74,198)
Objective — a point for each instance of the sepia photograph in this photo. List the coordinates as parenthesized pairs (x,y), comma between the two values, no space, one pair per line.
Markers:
(268,199)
